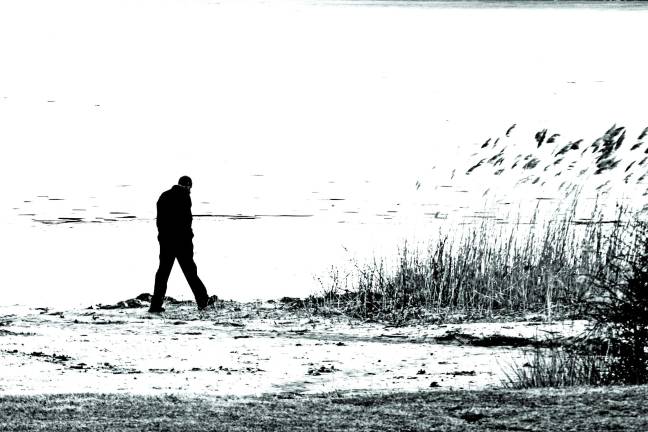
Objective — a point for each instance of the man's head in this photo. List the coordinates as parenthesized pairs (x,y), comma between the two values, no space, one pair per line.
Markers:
(185,182)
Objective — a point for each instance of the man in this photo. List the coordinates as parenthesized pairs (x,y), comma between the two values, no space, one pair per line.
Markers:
(175,237)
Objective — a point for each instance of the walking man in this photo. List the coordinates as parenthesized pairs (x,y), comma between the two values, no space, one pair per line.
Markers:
(175,237)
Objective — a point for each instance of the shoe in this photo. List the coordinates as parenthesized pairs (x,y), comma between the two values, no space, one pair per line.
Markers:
(210,302)
(156,310)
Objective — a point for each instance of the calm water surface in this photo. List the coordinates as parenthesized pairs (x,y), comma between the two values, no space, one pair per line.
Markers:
(317,133)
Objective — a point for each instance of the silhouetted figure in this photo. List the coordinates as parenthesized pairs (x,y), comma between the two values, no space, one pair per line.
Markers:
(175,237)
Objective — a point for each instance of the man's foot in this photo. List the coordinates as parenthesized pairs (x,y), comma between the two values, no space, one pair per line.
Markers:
(210,302)
(156,310)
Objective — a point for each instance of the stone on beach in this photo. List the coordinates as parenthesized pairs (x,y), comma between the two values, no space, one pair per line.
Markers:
(141,301)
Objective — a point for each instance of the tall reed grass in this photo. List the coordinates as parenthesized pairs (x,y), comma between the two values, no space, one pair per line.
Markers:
(540,265)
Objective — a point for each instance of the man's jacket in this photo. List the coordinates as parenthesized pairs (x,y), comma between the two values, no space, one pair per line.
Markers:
(174,214)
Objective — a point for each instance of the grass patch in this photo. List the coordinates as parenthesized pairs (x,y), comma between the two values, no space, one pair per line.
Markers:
(557,367)
(557,410)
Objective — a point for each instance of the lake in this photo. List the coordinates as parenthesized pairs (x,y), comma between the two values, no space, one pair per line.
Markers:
(317,133)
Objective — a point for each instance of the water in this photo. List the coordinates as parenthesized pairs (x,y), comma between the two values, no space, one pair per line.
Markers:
(316,132)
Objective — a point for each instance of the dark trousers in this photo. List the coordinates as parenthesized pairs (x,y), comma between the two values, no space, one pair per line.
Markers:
(182,250)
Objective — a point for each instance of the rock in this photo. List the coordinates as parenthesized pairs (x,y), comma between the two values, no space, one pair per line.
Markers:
(126,304)
(228,324)
(144,297)
(171,300)
(321,370)
(135,303)
(295,302)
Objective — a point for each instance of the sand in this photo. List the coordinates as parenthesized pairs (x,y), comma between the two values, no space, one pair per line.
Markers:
(247,349)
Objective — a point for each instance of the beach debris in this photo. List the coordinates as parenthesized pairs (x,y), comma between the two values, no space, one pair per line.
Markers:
(61,357)
(462,373)
(4,332)
(79,366)
(472,415)
(495,340)
(145,297)
(293,302)
(394,336)
(228,324)
(53,358)
(58,313)
(126,304)
(141,301)
(116,370)
(105,322)
(322,369)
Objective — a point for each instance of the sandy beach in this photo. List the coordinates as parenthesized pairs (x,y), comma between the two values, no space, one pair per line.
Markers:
(246,349)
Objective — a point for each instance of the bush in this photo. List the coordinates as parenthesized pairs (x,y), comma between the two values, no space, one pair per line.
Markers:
(620,311)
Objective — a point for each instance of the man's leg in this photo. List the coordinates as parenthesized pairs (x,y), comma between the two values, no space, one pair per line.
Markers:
(167,257)
(188,266)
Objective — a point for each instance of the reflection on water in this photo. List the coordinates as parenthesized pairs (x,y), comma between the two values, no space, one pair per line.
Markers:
(353,211)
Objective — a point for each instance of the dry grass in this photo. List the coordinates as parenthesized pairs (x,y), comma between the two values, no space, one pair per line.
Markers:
(572,409)
(483,270)
(557,367)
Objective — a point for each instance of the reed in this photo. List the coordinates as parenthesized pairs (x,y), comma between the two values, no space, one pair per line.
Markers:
(540,266)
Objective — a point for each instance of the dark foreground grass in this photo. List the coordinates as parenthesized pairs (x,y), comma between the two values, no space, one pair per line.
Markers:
(574,409)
